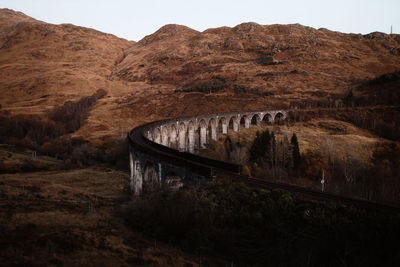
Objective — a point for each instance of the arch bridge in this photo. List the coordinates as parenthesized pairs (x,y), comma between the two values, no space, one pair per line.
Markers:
(163,153)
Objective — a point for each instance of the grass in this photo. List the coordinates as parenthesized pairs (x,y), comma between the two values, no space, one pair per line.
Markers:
(71,218)
(13,162)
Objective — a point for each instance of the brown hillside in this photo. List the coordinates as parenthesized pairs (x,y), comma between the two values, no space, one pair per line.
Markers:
(42,65)
(324,60)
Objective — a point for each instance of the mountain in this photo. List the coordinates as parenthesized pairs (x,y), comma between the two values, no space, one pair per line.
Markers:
(40,60)
(250,66)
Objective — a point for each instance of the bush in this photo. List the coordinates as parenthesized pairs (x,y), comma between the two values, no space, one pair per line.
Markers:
(265,228)
(216,85)
(266,61)
(279,73)
(239,89)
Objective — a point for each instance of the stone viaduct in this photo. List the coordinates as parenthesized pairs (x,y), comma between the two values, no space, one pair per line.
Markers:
(163,153)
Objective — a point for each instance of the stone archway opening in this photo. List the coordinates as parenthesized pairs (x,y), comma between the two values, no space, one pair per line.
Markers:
(137,176)
(267,119)
(172,137)
(212,130)
(165,136)
(150,179)
(256,120)
(222,126)
(150,135)
(231,124)
(190,135)
(202,134)
(279,118)
(182,137)
(172,181)
(157,136)
(243,121)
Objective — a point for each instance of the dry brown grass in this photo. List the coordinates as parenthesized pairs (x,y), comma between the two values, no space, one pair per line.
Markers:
(71,218)
(12,162)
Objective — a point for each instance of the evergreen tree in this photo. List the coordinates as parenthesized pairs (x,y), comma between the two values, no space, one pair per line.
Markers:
(256,148)
(287,153)
(272,150)
(348,99)
(228,147)
(261,147)
(295,150)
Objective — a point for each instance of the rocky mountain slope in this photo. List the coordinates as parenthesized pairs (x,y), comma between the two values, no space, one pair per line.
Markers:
(251,65)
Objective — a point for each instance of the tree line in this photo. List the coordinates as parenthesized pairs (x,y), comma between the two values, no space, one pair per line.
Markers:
(48,133)
(265,149)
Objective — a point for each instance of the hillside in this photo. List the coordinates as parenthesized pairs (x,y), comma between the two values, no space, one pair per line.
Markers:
(43,65)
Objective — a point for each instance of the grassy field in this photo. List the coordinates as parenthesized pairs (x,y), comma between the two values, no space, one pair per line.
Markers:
(72,218)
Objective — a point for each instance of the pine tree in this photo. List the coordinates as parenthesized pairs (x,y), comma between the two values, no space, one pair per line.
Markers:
(272,150)
(256,148)
(348,99)
(261,147)
(287,153)
(295,150)
(228,147)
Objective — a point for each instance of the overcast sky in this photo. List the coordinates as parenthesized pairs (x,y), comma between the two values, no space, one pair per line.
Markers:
(135,19)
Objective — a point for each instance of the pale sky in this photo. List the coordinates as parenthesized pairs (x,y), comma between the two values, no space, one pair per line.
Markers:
(135,19)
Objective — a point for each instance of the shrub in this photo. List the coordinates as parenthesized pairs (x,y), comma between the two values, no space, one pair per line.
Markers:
(266,61)
(265,228)
(239,89)
(216,85)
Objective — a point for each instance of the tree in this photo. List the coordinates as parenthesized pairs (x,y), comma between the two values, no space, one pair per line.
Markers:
(256,148)
(262,148)
(272,150)
(228,147)
(287,153)
(295,150)
(348,99)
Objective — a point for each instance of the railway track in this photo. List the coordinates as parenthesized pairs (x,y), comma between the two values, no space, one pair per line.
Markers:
(211,168)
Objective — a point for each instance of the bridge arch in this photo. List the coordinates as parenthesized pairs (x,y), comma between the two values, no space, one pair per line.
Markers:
(173,134)
(164,136)
(172,181)
(191,139)
(202,133)
(233,124)
(256,120)
(182,137)
(212,129)
(150,178)
(223,125)
(149,135)
(267,119)
(136,173)
(279,117)
(244,121)
(157,135)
